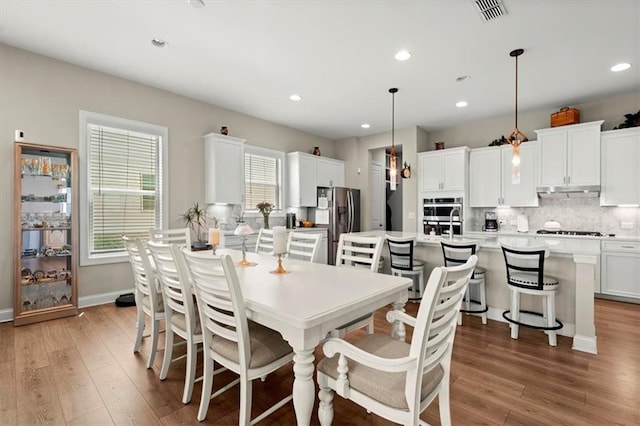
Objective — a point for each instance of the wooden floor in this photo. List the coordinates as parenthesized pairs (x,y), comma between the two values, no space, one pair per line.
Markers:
(82,370)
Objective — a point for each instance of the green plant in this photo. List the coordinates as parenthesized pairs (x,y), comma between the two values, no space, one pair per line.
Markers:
(196,219)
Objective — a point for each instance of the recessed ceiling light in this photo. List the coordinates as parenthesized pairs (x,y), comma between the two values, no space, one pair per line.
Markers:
(621,67)
(158,42)
(463,78)
(295,97)
(365,125)
(197,4)
(461,104)
(403,55)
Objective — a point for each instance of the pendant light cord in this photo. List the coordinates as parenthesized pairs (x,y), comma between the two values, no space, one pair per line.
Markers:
(516,92)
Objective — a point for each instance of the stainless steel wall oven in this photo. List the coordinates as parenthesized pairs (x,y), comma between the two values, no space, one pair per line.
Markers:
(437,215)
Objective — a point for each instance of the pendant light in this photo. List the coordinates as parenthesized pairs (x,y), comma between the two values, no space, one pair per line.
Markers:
(393,160)
(516,137)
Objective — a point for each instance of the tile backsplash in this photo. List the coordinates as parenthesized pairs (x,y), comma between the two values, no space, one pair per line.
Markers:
(574,214)
(228,217)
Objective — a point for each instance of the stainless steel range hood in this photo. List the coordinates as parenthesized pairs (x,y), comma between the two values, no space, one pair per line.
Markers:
(587,191)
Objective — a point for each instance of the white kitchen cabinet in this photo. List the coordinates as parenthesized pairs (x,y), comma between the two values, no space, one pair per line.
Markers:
(490,177)
(305,172)
(620,175)
(621,269)
(330,172)
(224,169)
(302,179)
(442,170)
(569,155)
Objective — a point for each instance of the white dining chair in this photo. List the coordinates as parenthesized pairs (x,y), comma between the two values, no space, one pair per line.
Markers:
(303,245)
(392,378)
(358,252)
(265,241)
(148,297)
(230,339)
(180,236)
(181,316)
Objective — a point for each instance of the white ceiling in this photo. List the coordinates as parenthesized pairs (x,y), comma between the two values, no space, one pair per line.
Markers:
(249,56)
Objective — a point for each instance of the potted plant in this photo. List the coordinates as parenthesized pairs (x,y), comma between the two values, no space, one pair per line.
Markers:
(196,219)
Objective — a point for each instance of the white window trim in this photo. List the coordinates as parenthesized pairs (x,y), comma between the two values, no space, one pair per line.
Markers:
(252,213)
(86,118)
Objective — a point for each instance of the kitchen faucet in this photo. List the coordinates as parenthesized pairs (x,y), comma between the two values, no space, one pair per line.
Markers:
(451,221)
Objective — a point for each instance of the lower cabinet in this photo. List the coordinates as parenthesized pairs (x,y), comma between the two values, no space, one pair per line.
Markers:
(621,269)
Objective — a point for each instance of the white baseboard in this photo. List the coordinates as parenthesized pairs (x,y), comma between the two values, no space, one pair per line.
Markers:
(6,315)
(585,344)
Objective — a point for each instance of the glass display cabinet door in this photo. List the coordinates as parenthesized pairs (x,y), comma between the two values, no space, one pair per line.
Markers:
(46,233)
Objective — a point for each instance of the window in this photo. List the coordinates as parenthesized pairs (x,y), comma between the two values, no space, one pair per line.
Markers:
(123,180)
(262,177)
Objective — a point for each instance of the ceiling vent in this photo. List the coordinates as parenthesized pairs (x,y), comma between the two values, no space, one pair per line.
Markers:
(490,9)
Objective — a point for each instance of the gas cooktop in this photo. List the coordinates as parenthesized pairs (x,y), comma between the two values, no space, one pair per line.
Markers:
(584,233)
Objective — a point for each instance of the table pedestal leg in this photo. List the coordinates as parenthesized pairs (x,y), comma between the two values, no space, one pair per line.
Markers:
(397,328)
(303,386)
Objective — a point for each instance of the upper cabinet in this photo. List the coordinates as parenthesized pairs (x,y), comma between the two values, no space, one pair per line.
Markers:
(620,173)
(330,172)
(490,177)
(442,170)
(306,172)
(570,155)
(224,169)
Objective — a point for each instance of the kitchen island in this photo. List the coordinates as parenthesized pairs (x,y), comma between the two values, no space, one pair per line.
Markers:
(574,261)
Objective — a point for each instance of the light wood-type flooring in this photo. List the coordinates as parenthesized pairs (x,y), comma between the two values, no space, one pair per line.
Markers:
(82,370)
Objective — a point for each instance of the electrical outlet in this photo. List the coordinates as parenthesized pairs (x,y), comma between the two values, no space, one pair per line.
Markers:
(626,225)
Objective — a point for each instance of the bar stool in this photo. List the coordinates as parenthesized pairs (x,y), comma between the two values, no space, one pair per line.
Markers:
(525,275)
(456,253)
(403,264)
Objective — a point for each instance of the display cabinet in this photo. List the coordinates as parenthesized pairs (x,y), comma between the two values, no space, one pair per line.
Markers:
(46,233)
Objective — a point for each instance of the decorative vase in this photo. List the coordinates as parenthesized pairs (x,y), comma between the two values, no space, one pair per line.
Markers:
(316,151)
(265,218)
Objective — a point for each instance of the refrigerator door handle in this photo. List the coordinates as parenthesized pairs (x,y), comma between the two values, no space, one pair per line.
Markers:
(351,214)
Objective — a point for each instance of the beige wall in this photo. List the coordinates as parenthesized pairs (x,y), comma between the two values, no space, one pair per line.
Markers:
(42,97)
(480,133)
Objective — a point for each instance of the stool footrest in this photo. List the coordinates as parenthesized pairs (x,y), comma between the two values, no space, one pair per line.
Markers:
(475,307)
(533,317)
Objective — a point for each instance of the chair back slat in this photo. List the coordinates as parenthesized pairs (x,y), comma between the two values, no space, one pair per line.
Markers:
(220,301)
(525,262)
(143,274)
(401,252)
(264,244)
(304,246)
(432,341)
(176,288)
(358,251)
(180,236)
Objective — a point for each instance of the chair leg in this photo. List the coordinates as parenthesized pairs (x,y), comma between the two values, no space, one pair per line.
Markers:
(483,301)
(245,401)
(207,383)
(155,330)
(515,313)
(168,353)
(325,407)
(190,375)
(421,283)
(140,329)
(370,327)
(443,402)
(551,318)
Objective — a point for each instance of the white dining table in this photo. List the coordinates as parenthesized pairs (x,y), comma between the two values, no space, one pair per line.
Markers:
(308,302)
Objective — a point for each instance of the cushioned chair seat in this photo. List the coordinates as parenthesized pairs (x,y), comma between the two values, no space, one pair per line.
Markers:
(549,283)
(387,388)
(146,302)
(266,346)
(180,321)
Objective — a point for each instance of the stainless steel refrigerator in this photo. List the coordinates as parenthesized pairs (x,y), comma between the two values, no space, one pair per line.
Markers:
(339,211)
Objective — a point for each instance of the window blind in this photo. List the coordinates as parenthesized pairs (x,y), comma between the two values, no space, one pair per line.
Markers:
(124,179)
(262,180)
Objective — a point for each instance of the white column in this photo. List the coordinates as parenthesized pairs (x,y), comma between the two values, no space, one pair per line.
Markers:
(585,339)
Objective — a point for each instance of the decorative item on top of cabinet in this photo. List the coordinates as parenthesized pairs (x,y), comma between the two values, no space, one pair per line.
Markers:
(45,233)
(316,151)
(631,120)
(224,130)
(565,116)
